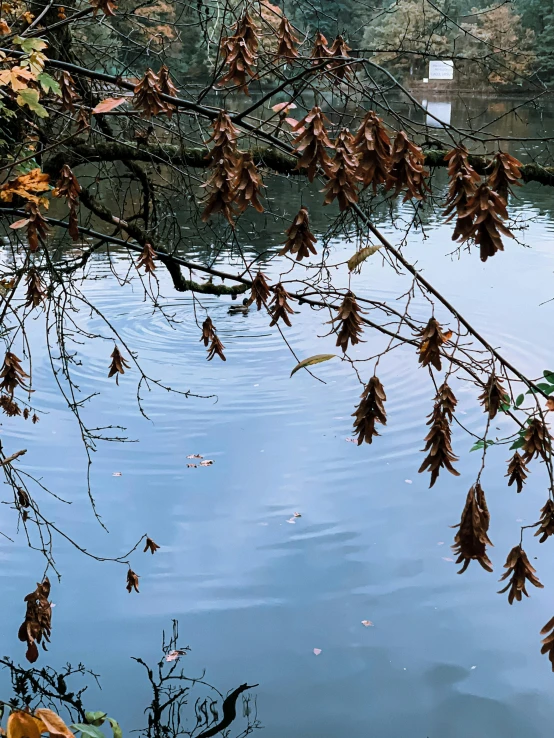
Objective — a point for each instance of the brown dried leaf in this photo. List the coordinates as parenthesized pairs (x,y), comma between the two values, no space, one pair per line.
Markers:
(300,240)
(132,581)
(471,540)
(150,546)
(521,571)
(118,364)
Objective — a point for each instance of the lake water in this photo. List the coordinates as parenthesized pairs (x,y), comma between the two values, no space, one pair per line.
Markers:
(255,593)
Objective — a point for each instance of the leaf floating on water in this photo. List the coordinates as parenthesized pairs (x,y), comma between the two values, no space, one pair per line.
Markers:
(408,481)
(367,623)
(446,558)
(360,256)
(297,515)
(351,440)
(317,359)
(206,462)
(192,466)
(116,474)
(292,521)
(317,651)
(194,456)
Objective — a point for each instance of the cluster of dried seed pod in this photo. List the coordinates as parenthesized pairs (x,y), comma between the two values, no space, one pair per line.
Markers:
(517,471)
(343,172)
(546,523)
(118,364)
(471,539)
(494,396)
(406,169)
(438,442)
(520,570)
(370,411)
(12,375)
(37,626)
(287,40)
(300,240)
(279,307)
(348,322)
(432,340)
(211,340)
(259,291)
(240,52)
(69,187)
(312,142)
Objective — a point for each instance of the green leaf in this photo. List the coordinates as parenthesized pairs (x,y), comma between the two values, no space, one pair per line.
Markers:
(361,256)
(49,84)
(89,730)
(30,97)
(317,359)
(117,732)
(505,407)
(547,388)
(519,400)
(477,446)
(517,444)
(28,45)
(549,376)
(95,718)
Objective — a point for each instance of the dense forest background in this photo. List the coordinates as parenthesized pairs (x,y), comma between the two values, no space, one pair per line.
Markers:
(519,34)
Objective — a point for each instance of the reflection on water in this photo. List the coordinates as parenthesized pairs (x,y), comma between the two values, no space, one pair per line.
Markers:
(256,590)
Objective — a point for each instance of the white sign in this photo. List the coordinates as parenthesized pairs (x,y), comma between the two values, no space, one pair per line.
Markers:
(440,110)
(441,70)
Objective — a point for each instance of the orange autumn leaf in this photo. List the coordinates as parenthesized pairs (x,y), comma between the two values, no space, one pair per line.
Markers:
(53,723)
(108,104)
(24,725)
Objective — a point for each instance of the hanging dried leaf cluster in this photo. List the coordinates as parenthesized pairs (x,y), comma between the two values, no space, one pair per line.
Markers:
(166,87)
(240,52)
(108,7)
(506,173)
(348,322)
(146,259)
(224,160)
(517,471)
(463,181)
(210,338)
(279,307)
(150,546)
(548,642)
(320,49)
(370,411)
(471,540)
(373,149)
(132,581)
(341,70)
(12,375)
(546,523)
(438,442)
(69,187)
(520,570)
(494,396)
(343,172)
(311,143)
(432,340)
(247,184)
(117,365)
(147,98)
(406,171)
(287,40)
(69,94)
(37,626)
(259,291)
(536,441)
(482,221)
(35,294)
(300,240)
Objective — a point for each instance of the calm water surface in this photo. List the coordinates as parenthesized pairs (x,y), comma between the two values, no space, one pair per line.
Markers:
(447,657)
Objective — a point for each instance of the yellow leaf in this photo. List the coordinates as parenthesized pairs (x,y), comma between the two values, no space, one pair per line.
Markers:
(23,725)
(53,723)
(361,256)
(4,28)
(16,77)
(317,359)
